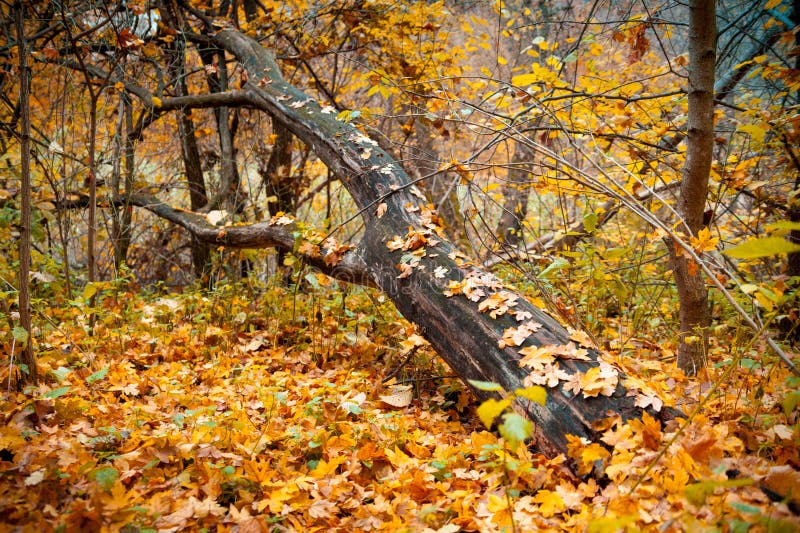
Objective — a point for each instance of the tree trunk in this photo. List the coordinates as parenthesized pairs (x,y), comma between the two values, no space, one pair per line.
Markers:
(793,268)
(28,358)
(195,180)
(441,186)
(417,278)
(692,292)
(277,178)
(121,221)
(517,192)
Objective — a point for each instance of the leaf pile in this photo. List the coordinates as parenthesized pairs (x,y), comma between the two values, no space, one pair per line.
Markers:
(268,413)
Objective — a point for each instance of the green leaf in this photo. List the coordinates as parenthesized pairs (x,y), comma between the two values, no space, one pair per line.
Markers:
(61,373)
(534,393)
(89,290)
(55,393)
(790,402)
(558,264)
(763,247)
(516,428)
(97,376)
(697,493)
(743,507)
(106,477)
(739,526)
(20,335)
(590,222)
(487,386)
(491,409)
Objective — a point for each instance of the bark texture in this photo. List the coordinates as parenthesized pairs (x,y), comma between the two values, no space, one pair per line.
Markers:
(28,357)
(692,292)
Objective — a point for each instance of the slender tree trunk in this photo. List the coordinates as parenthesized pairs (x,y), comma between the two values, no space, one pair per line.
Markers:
(277,176)
(116,179)
(217,80)
(516,191)
(692,292)
(793,268)
(128,152)
(440,186)
(195,180)
(28,357)
(92,182)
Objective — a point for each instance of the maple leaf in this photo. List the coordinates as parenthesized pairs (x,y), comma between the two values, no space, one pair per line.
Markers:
(322,508)
(440,272)
(516,336)
(549,502)
(536,357)
(599,380)
(395,243)
(644,401)
(498,303)
(704,242)
(550,375)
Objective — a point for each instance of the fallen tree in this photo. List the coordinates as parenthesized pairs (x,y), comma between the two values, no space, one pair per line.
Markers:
(482,329)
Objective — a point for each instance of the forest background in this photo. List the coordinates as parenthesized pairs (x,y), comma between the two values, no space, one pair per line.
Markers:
(432,266)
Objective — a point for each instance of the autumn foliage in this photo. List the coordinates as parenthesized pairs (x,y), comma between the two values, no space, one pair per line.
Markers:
(191,378)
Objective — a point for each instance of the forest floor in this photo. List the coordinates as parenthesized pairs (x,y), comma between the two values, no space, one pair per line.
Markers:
(272,411)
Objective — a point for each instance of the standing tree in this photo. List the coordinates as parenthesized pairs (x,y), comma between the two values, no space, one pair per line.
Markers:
(694,313)
(28,357)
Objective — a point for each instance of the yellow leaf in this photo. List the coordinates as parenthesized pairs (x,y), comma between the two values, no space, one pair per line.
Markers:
(326,468)
(523,80)
(704,242)
(156,101)
(593,452)
(502,60)
(756,132)
(549,502)
(534,393)
(491,409)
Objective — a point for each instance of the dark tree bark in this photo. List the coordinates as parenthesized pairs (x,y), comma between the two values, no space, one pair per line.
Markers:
(439,185)
(28,357)
(195,180)
(517,193)
(793,268)
(277,173)
(692,292)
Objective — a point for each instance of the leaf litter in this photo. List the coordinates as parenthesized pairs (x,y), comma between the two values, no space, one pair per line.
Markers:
(217,413)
